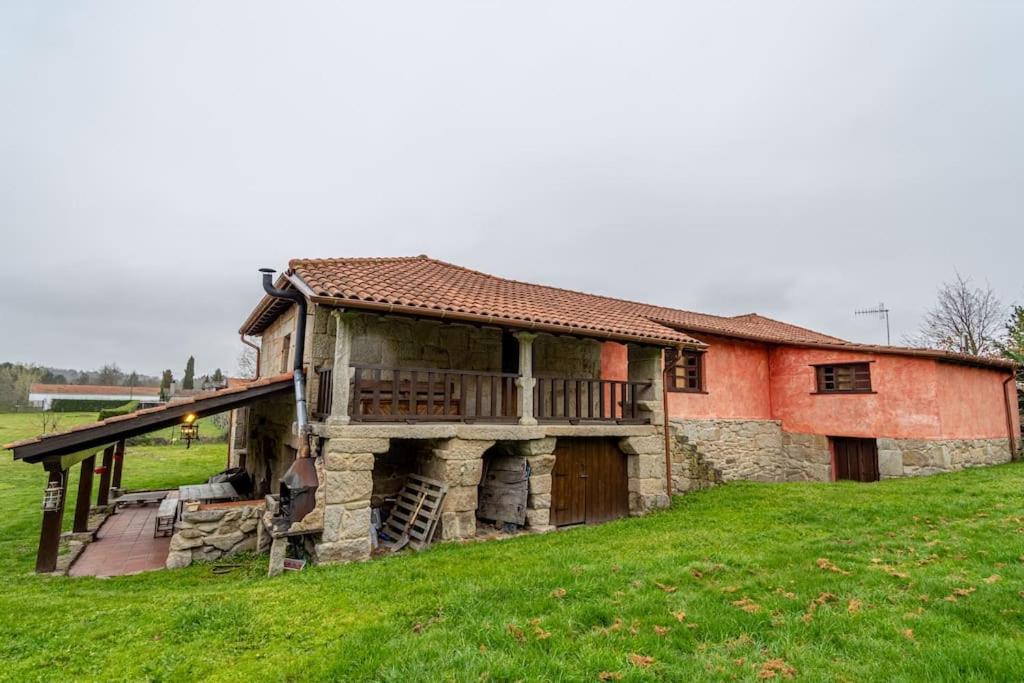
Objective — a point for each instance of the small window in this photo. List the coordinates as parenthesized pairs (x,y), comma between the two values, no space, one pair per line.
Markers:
(843,378)
(286,347)
(688,373)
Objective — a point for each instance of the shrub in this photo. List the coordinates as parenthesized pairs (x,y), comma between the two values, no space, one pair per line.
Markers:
(81,405)
(124,409)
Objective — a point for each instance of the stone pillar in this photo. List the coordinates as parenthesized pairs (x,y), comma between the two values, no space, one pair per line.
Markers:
(84,499)
(539,453)
(645,468)
(645,365)
(341,392)
(525,382)
(459,464)
(348,484)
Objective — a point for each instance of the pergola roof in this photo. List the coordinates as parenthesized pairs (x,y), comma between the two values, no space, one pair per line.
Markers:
(95,435)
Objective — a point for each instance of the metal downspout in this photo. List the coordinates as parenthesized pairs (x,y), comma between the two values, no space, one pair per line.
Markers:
(1009,413)
(301,416)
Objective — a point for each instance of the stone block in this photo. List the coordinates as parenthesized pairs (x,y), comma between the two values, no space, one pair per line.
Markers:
(462,449)
(456,525)
(456,472)
(539,501)
(350,550)
(200,516)
(177,559)
(890,464)
(348,486)
(646,466)
(224,541)
(538,517)
(248,525)
(535,447)
(461,498)
(541,464)
(246,545)
(358,445)
(178,542)
(635,445)
(540,483)
(348,461)
(648,486)
(341,523)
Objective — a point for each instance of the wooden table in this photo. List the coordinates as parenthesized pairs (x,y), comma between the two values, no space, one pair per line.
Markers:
(207,493)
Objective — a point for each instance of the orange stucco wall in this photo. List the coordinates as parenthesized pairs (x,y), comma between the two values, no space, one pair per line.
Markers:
(614,361)
(736,381)
(915,398)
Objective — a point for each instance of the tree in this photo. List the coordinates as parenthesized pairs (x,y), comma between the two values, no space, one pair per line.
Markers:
(132,380)
(189,380)
(110,375)
(1013,348)
(165,385)
(965,319)
(218,377)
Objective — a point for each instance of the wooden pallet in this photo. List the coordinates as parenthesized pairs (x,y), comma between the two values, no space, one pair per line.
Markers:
(421,531)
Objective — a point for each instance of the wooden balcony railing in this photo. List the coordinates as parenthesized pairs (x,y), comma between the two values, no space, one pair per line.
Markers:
(558,399)
(324,393)
(385,394)
(382,394)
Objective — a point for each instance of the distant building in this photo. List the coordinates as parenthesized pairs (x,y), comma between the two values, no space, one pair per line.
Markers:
(43,395)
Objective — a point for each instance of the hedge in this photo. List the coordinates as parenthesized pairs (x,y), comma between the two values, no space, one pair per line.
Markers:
(81,405)
(129,407)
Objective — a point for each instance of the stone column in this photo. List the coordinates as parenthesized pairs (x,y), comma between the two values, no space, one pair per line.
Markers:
(459,464)
(539,453)
(341,392)
(645,468)
(348,484)
(525,382)
(645,365)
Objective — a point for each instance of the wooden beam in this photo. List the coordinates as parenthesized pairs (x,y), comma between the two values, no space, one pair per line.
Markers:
(115,480)
(103,497)
(49,533)
(84,500)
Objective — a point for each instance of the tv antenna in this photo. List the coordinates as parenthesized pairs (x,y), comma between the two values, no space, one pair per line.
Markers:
(883,313)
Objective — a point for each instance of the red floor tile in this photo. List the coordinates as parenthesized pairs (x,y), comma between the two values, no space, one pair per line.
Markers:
(124,545)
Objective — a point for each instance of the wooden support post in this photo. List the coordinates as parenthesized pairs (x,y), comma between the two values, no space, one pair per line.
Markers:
(84,500)
(103,497)
(49,533)
(115,480)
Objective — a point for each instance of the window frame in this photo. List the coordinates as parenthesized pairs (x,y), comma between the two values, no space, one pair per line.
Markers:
(698,367)
(820,381)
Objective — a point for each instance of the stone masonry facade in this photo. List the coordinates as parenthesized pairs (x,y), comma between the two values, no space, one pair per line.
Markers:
(211,533)
(707,452)
(458,461)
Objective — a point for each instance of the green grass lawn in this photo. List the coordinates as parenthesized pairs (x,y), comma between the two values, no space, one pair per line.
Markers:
(915,579)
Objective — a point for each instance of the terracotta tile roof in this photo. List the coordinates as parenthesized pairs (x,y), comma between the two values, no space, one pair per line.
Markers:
(285,378)
(420,285)
(99,389)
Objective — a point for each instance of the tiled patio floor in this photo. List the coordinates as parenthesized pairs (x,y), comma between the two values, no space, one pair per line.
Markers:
(124,545)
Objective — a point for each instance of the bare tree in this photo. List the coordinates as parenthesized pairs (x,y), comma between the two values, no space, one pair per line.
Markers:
(50,421)
(966,319)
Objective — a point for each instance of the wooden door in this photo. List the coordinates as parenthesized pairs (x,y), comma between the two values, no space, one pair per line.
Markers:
(856,459)
(589,483)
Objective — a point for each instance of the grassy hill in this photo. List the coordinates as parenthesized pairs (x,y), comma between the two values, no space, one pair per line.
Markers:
(914,579)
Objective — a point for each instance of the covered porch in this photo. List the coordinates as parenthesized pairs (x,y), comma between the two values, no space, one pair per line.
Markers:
(122,531)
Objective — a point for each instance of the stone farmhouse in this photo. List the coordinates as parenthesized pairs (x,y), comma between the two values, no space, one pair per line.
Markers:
(414,364)
(373,370)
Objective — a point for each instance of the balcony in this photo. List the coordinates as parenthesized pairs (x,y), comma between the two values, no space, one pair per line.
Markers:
(414,395)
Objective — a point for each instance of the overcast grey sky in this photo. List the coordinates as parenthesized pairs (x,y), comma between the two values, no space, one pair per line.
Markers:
(798,159)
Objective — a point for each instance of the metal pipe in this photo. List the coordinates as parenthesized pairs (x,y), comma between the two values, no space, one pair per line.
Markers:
(667,368)
(255,348)
(1009,413)
(302,421)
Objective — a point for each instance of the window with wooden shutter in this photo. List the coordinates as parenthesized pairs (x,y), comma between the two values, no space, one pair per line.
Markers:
(844,378)
(688,372)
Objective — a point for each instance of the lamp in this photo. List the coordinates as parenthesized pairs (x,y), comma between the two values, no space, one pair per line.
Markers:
(189,430)
(52,496)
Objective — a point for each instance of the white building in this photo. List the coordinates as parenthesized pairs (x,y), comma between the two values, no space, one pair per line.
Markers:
(43,395)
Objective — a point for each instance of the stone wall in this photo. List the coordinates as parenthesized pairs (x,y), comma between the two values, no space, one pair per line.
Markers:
(210,533)
(911,457)
(735,449)
(271,444)
(806,457)
(566,357)
(645,469)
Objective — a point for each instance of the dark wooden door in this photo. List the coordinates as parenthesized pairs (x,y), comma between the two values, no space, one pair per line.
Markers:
(856,459)
(589,483)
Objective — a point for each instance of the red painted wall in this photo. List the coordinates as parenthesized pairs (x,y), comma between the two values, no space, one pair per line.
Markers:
(915,398)
(736,381)
(614,361)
